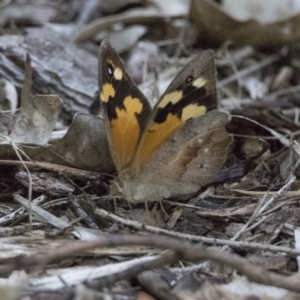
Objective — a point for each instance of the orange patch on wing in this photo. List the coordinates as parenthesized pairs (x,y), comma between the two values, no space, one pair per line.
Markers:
(125,131)
(155,135)
(107,91)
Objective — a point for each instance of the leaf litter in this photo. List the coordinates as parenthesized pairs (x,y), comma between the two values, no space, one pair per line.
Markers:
(238,238)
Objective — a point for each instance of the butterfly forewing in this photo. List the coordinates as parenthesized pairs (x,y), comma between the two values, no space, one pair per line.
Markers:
(124,106)
(190,95)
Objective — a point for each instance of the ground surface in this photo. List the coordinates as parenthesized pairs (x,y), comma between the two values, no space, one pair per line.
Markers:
(62,235)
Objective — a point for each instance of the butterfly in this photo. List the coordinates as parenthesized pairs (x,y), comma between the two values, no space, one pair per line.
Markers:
(172,150)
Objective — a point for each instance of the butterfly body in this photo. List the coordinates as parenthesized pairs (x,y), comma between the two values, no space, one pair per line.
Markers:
(172,150)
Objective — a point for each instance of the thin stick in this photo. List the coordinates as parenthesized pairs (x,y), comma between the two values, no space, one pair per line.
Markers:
(210,241)
(253,68)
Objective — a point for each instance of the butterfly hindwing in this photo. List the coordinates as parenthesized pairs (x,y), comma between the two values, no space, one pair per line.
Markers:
(190,95)
(124,106)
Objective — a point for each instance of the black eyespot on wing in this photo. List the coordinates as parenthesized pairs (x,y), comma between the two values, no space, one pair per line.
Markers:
(189,79)
(110,69)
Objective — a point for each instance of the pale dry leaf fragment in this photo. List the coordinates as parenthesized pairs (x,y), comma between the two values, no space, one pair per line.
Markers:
(208,291)
(36,120)
(239,289)
(82,292)
(8,104)
(8,96)
(241,286)
(297,244)
(255,87)
(11,288)
(263,11)
(178,8)
(124,39)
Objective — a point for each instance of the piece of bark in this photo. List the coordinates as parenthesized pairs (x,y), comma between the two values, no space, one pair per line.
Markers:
(59,67)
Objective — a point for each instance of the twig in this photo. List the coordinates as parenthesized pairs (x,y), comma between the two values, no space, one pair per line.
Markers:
(20,212)
(210,241)
(285,202)
(136,16)
(297,244)
(26,89)
(182,249)
(278,194)
(44,215)
(87,10)
(81,213)
(251,219)
(55,168)
(148,263)
(253,68)
(275,95)
(18,152)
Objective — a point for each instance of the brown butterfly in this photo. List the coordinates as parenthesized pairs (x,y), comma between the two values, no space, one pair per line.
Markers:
(173,149)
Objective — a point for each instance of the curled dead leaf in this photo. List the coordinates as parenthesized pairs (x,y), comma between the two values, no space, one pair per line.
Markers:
(83,147)
(216,25)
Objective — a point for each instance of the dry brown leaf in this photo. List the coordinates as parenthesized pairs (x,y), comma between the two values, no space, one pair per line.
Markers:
(84,147)
(217,25)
